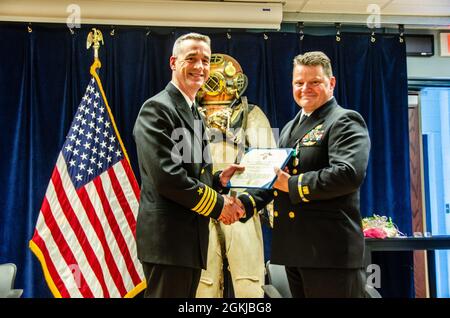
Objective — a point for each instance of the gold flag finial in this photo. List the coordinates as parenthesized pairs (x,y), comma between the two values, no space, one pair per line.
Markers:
(94,38)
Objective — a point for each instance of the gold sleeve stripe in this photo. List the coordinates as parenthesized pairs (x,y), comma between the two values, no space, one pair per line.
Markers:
(300,191)
(213,204)
(208,194)
(252,200)
(202,200)
(207,203)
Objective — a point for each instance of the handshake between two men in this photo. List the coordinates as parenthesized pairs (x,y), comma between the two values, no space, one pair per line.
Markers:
(233,209)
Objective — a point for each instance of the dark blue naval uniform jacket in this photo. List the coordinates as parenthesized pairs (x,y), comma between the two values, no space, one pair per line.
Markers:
(179,193)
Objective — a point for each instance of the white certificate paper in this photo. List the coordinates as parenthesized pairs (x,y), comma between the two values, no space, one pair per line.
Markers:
(259,167)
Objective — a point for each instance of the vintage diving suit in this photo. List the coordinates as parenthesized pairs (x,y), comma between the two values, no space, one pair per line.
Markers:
(233,125)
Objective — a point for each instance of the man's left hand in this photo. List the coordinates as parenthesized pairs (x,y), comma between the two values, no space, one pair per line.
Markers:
(228,172)
(281,183)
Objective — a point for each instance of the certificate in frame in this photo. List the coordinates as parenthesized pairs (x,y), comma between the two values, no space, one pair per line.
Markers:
(259,166)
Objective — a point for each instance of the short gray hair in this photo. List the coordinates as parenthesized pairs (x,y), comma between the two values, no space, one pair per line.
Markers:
(315,58)
(189,36)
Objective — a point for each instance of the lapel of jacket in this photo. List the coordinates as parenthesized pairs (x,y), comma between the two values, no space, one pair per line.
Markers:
(185,112)
(285,136)
(316,118)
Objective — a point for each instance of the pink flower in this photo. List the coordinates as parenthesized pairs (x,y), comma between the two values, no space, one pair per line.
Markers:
(375,233)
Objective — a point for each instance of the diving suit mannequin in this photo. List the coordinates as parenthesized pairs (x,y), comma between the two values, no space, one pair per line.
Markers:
(233,125)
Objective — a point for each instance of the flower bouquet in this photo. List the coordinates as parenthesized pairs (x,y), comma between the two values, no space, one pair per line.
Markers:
(380,227)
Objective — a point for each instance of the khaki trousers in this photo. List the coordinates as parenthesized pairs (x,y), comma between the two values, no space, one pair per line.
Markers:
(244,250)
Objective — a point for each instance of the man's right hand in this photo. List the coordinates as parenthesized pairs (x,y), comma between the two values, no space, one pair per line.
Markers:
(231,211)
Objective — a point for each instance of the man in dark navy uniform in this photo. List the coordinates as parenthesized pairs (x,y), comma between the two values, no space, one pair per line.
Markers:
(317,230)
(179,193)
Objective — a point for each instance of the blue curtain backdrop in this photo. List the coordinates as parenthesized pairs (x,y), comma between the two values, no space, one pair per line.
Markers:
(43,75)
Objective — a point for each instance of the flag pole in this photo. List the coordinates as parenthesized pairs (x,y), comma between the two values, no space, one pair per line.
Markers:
(93,40)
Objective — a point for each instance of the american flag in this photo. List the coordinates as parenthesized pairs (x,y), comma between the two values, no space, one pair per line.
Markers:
(85,232)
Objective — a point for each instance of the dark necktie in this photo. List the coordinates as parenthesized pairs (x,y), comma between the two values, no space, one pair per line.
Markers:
(296,129)
(302,119)
(194,111)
